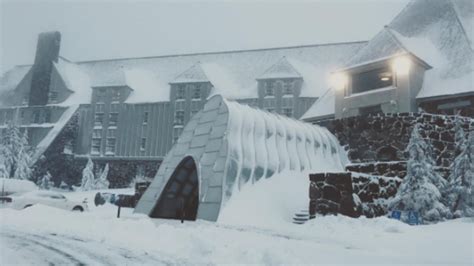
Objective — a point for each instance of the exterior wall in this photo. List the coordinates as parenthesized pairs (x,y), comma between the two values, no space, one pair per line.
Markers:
(130,130)
(398,98)
(464,105)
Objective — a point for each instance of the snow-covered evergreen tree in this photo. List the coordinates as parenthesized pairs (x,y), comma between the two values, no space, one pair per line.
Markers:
(45,182)
(23,169)
(16,153)
(459,192)
(418,191)
(102,182)
(88,181)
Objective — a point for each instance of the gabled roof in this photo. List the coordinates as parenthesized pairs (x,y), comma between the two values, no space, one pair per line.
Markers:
(193,74)
(323,107)
(281,69)
(240,68)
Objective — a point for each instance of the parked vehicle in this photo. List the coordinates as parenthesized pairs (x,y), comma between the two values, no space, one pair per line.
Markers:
(53,199)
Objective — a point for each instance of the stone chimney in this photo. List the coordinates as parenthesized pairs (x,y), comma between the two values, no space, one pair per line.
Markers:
(47,52)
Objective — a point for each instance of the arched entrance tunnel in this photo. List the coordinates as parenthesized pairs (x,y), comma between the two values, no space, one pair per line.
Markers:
(180,197)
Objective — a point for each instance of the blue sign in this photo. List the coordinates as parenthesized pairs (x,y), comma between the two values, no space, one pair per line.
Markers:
(413,218)
(396,215)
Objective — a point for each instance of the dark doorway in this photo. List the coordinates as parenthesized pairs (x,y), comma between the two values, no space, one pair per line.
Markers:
(180,197)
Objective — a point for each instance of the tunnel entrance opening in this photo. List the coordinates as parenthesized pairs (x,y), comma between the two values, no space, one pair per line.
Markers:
(180,197)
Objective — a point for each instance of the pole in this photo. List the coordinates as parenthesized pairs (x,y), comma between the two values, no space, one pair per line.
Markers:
(118,212)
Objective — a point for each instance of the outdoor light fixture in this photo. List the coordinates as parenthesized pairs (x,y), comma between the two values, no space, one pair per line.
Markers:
(385,76)
(338,81)
(401,65)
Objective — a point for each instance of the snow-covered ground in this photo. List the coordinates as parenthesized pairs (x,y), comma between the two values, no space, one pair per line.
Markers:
(41,235)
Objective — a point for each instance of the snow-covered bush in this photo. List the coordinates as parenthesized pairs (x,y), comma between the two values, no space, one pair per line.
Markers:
(102,182)
(45,182)
(418,191)
(459,192)
(88,181)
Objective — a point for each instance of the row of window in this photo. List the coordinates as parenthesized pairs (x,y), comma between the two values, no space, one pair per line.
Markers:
(285,86)
(284,111)
(110,141)
(101,94)
(196,92)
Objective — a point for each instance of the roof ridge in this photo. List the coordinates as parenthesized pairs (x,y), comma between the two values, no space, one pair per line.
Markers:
(284,59)
(394,37)
(221,52)
(456,12)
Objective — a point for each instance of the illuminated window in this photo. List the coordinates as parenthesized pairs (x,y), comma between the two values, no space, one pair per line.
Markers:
(372,80)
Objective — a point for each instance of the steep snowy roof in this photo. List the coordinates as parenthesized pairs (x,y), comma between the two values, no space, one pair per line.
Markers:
(76,81)
(437,31)
(323,107)
(232,73)
(281,69)
(146,86)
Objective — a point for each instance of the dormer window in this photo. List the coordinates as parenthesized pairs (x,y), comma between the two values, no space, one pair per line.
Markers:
(372,80)
(197,92)
(180,93)
(288,87)
(269,88)
(53,96)
(116,95)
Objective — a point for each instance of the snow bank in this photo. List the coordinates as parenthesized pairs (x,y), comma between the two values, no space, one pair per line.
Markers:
(146,87)
(10,186)
(269,202)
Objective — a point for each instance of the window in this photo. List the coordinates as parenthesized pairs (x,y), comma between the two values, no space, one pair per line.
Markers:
(47,116)
(99,108)
(100,95)
(116,95)
(97,133)
(145,118)
(95,147)
(110,146)
(143,144)
(179,118)
(177,130)
(98,119)
(113,119)
(288,87)
(269,88)
(111,132)
(36,116)
(288,112)
(376,109)
(193,112)
(180,92)
(25,99)
(372,80)
(197,92)
(53,96)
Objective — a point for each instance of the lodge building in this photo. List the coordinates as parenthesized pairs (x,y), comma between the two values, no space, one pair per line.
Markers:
(129,112)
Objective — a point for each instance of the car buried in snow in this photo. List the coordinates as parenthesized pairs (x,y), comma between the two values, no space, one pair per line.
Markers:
(53,199)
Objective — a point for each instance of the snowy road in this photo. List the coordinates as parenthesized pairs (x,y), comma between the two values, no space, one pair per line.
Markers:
(42,235)
(54,249)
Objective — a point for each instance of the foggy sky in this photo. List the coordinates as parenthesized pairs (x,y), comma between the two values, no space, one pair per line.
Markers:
(104,29)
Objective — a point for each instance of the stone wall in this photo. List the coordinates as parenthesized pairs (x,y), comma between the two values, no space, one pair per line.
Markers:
(351,194)
(384,138)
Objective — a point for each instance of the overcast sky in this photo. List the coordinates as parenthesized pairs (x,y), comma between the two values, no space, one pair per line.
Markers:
(104,29)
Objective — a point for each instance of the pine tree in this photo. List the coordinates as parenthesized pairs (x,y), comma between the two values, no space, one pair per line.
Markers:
(16,153)
(459,192)
(418,191)
(23,169)
(102,182)
(88,176)
(45,182)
